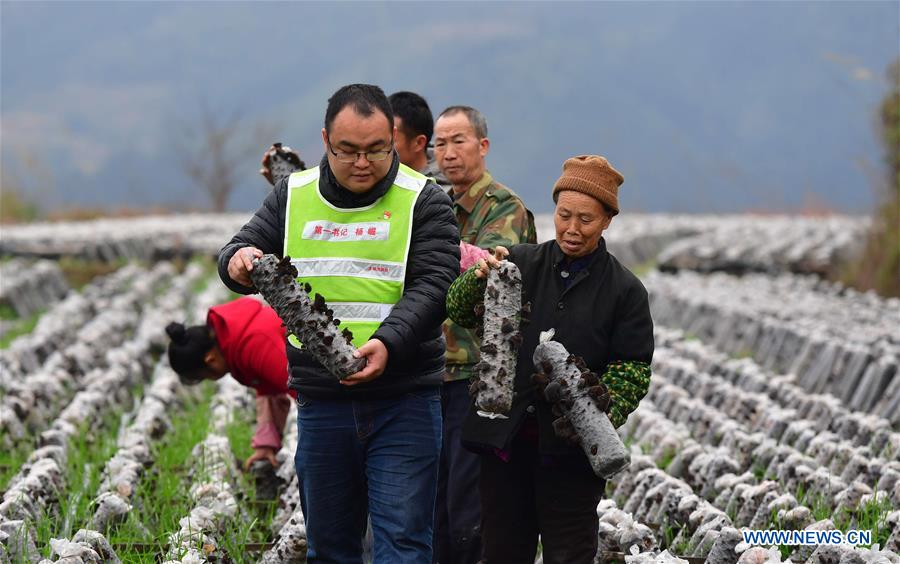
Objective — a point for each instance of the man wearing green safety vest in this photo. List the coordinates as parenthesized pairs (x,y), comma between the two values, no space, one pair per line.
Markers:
(380,243)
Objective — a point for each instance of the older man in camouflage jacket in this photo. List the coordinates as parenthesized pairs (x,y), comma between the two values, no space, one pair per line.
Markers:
(488,214)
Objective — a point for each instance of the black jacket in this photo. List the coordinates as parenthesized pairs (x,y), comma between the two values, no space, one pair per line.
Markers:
(412,332)
(603,316)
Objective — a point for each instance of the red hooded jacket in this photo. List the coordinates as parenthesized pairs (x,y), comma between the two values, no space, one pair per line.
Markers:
(252,340)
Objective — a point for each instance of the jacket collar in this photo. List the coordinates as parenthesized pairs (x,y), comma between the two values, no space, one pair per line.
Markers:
(470,197)
(596,263)
(340,197)
(559,257)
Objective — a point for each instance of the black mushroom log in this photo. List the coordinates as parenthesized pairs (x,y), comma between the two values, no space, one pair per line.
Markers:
(310,320)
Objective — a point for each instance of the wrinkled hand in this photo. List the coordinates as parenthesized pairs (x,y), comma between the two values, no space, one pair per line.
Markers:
(376,355)
(241,264)
(262,453)
(264,163)
(491,261)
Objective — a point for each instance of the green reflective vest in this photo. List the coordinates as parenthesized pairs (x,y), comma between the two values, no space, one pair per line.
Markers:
(356,258)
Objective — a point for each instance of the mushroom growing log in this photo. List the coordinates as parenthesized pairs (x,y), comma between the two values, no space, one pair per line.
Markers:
(598,438)
(291,545)
(310,320)
(492,384)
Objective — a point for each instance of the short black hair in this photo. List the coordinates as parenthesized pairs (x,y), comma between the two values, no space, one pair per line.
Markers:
(365,99)
(415,113)
(476,118)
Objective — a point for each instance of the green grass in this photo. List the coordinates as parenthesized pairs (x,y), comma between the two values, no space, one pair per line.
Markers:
(820,507)
(869,516)
(683,548)
(207,264)
(775,524)
(7,312)
(889,452)
(731,513)
(818,504)
(759,472)
(11,459)
(162,496)
(80,272)
(201,284)
(23,327)
(240,434)
(88,452)
(161,289)
(667,458)
(785,551)
(209,273)
(609,489)
(668,533)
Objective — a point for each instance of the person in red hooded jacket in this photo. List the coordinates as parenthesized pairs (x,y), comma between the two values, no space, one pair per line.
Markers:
(246,339)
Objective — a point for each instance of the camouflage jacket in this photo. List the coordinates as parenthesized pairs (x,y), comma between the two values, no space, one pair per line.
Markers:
(489,214)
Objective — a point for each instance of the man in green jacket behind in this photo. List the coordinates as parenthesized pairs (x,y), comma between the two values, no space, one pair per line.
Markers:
(489,214)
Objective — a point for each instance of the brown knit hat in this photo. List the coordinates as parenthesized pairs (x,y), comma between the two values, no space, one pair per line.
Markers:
(591,175)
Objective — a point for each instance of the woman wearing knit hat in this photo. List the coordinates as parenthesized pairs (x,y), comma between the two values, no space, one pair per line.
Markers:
(535,482)
(246,339)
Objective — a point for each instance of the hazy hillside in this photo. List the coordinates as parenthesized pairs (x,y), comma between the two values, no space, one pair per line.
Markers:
(704,106)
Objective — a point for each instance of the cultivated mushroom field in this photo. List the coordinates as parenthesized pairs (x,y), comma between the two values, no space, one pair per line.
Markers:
(774,401)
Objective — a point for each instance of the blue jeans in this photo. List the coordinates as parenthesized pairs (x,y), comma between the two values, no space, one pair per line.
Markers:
(369,456)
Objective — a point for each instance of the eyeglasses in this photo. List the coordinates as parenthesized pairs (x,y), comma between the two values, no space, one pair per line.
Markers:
(352,157)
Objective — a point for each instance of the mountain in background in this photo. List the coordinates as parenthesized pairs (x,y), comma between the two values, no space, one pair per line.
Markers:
(704,107)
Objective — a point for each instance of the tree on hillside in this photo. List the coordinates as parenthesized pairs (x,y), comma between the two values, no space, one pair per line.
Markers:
(890,126)
(879,266)
(214,147)
(25,181)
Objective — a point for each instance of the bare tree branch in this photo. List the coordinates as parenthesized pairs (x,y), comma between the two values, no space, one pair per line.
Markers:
(214,147)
